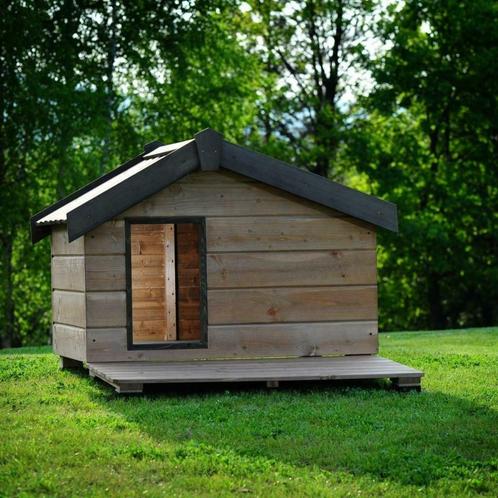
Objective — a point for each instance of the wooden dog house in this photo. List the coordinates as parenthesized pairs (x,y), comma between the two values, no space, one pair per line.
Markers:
(204,250)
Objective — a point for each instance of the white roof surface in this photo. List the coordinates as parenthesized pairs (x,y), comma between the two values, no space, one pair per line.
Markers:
(166,149)
(60,215)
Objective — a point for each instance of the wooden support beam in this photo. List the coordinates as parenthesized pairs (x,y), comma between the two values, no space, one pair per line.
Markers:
(272,384)
(68,363)
(129,388)
(407,383)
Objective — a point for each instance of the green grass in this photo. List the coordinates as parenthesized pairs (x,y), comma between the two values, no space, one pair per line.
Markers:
(64,434)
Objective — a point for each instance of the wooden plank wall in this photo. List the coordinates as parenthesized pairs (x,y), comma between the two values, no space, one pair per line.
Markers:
(105,276)
(188,275)
(170,282)
(68,295)
(286,277)
(153,282)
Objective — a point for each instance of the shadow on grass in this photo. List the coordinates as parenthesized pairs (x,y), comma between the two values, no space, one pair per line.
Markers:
(361,427)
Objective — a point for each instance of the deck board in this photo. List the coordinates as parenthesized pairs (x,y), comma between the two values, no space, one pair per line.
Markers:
(336,368)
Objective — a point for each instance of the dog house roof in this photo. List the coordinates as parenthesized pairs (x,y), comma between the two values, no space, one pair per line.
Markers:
(161,165)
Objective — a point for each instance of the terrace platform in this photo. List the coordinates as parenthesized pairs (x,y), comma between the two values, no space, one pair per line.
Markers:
(130,377)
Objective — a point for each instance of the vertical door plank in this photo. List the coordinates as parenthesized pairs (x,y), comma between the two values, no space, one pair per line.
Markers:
(148,282)
(170,282)
(188,275)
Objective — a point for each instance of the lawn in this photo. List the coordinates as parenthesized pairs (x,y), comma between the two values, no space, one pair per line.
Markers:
(64,434)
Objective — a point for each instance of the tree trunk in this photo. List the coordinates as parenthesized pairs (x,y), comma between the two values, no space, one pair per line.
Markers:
(8,338)
(110,98)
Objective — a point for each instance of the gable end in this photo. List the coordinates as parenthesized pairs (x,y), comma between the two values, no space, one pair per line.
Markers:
(160,165)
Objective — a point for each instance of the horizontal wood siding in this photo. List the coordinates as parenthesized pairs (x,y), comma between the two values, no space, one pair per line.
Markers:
(106,309)
(105,272)
(61,245)
(298,339)
(223,194)
(68,308)
(68,273)
(285,277)
(248,341)
(287,233)
(68,295)
(69,341)
(291,268)
(108,238)
(292,304)
(105,281)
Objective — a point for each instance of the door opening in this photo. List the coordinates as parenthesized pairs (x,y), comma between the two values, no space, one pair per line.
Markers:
(166,307)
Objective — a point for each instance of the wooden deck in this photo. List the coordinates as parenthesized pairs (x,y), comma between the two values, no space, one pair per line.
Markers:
(131,376)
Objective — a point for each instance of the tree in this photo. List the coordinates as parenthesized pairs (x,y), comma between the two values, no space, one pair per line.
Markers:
(35,80)
(431,141)
(309,50)
(83,86)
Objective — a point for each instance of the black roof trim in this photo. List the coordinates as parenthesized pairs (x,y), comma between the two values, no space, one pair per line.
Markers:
(134,189)
(309,185)
(209,145)
(209,151)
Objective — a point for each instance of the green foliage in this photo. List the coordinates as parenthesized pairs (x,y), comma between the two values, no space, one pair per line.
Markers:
(84,85)
(308,51)
(65,434)
(430,145)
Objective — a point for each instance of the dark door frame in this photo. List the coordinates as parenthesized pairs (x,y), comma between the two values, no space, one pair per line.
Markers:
(203,342)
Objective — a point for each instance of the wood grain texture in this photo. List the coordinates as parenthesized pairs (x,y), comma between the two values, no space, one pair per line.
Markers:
(68,273)
(61,245)
(106,309)
(108,238)
(105,272)
(69,341)
(297,339)
(346,367)
(287,234)
(292,304)
(149,329)
(188,274)
(215,178)
(224,194)
(170,276)
(293,277)
(291,268)
(149,278)
(68,308)
(247,341)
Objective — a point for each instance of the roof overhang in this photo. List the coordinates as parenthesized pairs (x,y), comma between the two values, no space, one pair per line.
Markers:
(161,165)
